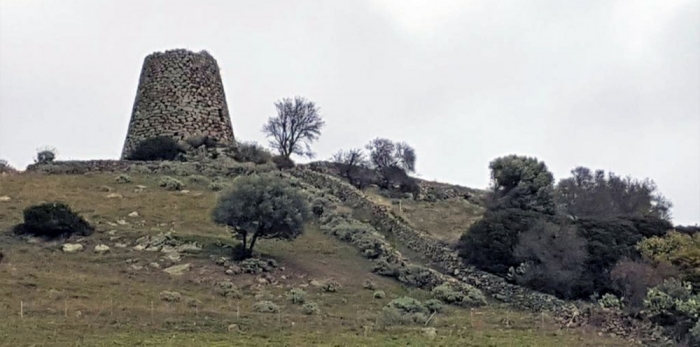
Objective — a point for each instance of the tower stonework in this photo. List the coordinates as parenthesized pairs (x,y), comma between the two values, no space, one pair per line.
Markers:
(180,94)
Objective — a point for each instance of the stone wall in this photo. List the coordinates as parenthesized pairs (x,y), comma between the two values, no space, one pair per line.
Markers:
(180,94)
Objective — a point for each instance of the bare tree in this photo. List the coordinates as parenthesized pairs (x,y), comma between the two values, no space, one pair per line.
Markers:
(385,153)
(297,124)
(351,162)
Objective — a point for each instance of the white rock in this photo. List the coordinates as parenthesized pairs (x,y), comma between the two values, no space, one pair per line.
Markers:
(114,196)
(122,222)
(139,247)
(178,270)
(72,247)
(120,245)
(5,198)
(112,232)
(133,214)
(101,248)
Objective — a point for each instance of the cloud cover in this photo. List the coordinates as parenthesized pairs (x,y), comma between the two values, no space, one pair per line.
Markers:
(606,84)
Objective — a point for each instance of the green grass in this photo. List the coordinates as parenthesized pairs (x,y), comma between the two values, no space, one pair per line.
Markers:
(48,298)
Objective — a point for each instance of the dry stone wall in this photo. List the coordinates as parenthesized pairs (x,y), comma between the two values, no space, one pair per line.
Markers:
(180,94)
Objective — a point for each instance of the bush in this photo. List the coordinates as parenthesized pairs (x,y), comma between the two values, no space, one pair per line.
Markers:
(5,167)
(170,183)
(217,186)
(123,178)
(251,152)
(632,279)
(674,306)
(156,148)
(199,179)
(296,296)
(555,256)
(611,301)
(266,307)
(489,243)
(369,284)
(679,250)
(228,290)
(282,162)
(267,198)
(379,294)
(45,156)
(310,308)
(434,305)
(404,310)
(330,286)
(467,296)
(257,266)
(53,220)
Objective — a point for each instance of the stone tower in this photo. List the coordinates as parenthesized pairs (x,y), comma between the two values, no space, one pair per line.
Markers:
(180,94)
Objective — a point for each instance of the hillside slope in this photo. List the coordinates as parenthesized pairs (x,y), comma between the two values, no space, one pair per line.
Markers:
(54,298)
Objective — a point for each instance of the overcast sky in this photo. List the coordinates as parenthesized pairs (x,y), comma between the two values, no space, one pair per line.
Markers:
(607,84)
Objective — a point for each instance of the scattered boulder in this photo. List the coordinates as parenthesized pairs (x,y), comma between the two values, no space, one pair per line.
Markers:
(429,332)
(233,328)
(72,247)
(5,198)
(114,196)
(189,247)
(178,270)
(120,245)
(133,214)
(101,249)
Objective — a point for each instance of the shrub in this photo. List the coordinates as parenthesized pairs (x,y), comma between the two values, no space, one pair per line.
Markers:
(296,296)
(675,249)
(254,198)
(282,162)
(555,256)
(45,156)
(674,306)
(123,178)
(5,167)
(468,296)
(156,148)
(251,152)
(266,307)
(217,186)
(404,310)
(379,294)
(170,183)
(228,290)
(199,179)
(53,220)
(632,279)
(257,266)
(369,284)
(330,286)
(434,305)
(310,308)
(488,244)
(611,301)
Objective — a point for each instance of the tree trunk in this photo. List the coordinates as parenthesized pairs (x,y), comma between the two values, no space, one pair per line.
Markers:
(252,244)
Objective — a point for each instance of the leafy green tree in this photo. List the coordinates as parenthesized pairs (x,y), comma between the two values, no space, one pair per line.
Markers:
(588,194)
(522,182)
(262,207)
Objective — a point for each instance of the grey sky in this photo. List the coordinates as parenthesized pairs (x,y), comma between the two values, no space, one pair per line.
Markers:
(606,84)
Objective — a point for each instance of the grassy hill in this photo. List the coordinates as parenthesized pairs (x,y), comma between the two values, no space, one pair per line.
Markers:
(124,297)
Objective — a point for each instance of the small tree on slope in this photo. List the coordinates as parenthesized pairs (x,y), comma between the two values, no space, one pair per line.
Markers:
(262,207)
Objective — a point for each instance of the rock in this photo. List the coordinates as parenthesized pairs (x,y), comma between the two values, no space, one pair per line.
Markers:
(178,270)
(133,214)
(174,257)
(122,222)
(189,247)
(114,196)
(153,248)
(170,296)
(185,191)
(315,283)
(168,249)
(112,232)
(136,267)
(105,188)
(263,281)
(5,198)
(142,187)
(101,248)
(120,245)
(154,265)
(72,247)
(429,332)
(139,247)
(233,328)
